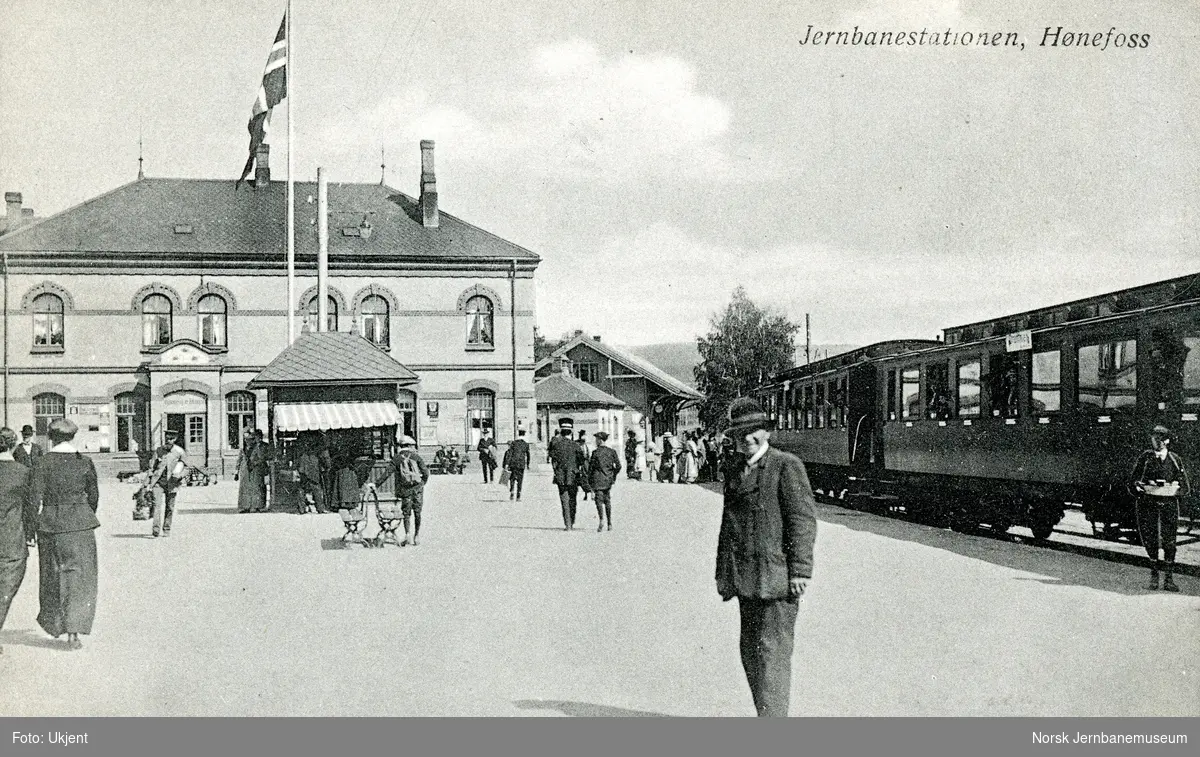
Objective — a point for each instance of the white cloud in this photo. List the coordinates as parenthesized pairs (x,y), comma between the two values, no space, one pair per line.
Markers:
(574,116)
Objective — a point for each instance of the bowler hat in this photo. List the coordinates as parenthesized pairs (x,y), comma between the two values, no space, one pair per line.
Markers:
(26,430)
(746,416)
(602,436)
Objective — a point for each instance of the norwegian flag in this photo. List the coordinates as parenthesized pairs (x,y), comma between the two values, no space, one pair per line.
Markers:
(270,93)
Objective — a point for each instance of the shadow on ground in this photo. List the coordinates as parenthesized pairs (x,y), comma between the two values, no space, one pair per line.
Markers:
(585,709)
(26,638)
(1007,551)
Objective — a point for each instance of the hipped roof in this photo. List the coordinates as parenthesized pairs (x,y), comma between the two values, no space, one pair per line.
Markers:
(332,357)
(561,389)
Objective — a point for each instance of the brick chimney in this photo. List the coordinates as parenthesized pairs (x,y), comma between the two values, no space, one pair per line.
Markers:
(262,166)
(596,338)
(12,201)
(429,205)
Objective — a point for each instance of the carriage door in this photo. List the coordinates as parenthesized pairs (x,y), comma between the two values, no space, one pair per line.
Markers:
(187,415)
(481,414)
(864,434)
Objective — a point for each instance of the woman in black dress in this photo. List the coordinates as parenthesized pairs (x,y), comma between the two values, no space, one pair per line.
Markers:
(17,522)
(64,486)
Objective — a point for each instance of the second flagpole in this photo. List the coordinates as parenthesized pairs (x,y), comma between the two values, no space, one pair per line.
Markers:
(291,200)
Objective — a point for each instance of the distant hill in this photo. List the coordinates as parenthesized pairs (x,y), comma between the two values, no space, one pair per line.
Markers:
(678,358)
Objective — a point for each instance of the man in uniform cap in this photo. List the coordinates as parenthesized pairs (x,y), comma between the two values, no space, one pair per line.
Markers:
(1160,479)
(765,554)
(567,460)
(166,476)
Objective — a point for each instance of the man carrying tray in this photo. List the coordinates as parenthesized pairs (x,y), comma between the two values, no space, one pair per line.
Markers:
(1160,480)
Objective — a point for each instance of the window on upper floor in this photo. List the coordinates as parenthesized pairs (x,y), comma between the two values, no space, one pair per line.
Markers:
(48,330)
(480,322)
(375,318)
(156,321)
(589,372)
(312,316)
(213,320)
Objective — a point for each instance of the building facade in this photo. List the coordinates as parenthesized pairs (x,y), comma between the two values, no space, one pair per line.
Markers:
(653,398)
(151,307)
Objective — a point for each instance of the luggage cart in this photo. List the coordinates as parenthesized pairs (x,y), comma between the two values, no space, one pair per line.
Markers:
(376,490)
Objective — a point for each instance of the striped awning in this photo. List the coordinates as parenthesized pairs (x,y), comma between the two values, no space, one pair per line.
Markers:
(323,416)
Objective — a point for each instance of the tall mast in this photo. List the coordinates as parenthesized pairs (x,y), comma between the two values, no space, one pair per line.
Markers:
(291,200)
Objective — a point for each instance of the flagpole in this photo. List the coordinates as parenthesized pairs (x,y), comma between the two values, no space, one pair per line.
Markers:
(291,200)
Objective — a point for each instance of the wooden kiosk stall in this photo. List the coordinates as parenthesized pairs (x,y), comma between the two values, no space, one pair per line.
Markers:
(333,394)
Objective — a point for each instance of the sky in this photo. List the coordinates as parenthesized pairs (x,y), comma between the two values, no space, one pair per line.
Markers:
(657,155)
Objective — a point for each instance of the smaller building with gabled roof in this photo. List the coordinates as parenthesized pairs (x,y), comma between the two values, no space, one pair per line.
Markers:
(652,397)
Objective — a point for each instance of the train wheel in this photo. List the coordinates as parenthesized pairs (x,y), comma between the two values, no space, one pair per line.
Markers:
(962,523)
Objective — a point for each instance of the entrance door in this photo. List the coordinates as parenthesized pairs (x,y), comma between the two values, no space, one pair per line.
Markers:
(187,415)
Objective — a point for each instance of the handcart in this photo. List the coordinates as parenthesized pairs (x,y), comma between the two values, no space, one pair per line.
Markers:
(143,498)
(195,476)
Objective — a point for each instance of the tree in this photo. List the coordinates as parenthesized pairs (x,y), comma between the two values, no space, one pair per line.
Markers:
(543,347)
(744,346)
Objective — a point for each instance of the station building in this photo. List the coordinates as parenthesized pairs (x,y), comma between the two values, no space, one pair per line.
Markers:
(152,307)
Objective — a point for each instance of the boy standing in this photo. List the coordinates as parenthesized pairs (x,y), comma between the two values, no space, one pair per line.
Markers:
(1160,479)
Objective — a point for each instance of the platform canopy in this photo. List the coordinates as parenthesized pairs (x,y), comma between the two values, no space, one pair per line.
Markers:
(326,416)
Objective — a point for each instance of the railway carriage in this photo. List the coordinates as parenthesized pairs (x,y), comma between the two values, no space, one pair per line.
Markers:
(1005,422)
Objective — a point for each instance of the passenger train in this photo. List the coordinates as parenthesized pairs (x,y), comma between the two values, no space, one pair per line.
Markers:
(1005,422)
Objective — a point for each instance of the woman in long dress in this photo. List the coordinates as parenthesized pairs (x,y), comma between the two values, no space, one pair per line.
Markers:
(250,474)
(687,460)
(17,521)
(65,489)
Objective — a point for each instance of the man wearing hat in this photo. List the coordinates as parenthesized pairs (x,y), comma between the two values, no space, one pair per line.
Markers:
(765,553)
(167,471)
(516,459)
(567,460)
(411,474)
(1160,480)
(603,467)
(27,452)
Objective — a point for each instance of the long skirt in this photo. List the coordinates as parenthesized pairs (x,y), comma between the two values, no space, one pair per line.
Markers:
(687,468)
(250,489)
(12,573)
(68,582)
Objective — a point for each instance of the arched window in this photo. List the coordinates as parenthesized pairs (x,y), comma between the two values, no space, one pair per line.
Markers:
(132,414)
(156,321)
(479,322)
(48,321)
(375,320)
(481,412)
(47,408)
(331,321)
(213,310)
(239,414)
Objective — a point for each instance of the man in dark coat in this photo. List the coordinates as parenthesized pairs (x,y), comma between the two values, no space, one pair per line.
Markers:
(765,554)
(567,459)
(487,456)
(28,452)
(516,459)
(603,467)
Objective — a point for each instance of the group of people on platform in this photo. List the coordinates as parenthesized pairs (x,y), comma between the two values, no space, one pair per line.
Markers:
(694,457)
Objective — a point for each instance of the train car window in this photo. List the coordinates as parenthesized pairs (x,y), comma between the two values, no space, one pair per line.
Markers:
(808,406)
(1002,385)
(968,389)
(937,391)
(821,411)
(1191,371)
(910,393)
(840,400)
(1167,360)
(1108,375)
(1045,384)
(891,395)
